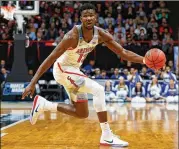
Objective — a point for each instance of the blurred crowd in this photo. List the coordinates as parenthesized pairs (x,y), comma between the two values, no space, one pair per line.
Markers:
(127,21)
(140,91)
(132,84)
(137,26)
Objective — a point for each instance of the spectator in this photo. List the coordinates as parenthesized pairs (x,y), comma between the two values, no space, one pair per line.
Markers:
(119,10)
(167,75)
(155,42)
(163,26)
(31,72)
(3,75)
(109,20)
(77,5)
(110,29)
(157,74)
(129,42)
(119,36)
(138,93)
(119,28)
(162,11)
(119,19)
(129,65)
(88,69)
(171,65)
(67,18)
(125,73)
(116,74)
(3,64)
(151,6)
(140,30)
(34,51)
(109,94)
(162,14)
(101,20)
(32,31)
(103,75)
(142,35)
(44,30)
(141,18)
(167,43)
(153,14)
(65,27)
(121,90)
(171,92)
(154,90)
(144,74)
(39,35)
(130,13)
(60,37)
(152,24)
(97,73)
(52,32)
(134,77)
(76,21)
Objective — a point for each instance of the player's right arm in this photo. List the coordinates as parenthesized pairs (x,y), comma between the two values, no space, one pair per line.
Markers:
(70,40)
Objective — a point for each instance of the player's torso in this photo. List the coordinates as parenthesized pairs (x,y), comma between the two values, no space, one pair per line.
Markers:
(76,56)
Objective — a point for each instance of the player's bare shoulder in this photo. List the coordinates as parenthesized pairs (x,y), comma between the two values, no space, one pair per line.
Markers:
(72,34)
(72,37)
(104,35)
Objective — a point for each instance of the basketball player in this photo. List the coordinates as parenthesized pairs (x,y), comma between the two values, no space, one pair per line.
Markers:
(67,57)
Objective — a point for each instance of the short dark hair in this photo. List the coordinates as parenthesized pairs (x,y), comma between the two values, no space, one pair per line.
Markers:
(87,6)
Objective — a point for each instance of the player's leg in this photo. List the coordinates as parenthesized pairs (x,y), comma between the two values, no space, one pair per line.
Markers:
(107,137)
(77,108)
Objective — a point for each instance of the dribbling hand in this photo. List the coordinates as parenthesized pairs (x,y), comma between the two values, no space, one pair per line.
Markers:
(29,90)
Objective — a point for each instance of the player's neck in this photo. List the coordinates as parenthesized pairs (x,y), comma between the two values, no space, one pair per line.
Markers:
(87,34)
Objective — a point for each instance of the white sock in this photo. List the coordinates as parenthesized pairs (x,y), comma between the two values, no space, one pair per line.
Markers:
(51,106)
(105,128)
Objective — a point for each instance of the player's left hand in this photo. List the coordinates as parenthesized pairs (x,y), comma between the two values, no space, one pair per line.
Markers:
(29,90)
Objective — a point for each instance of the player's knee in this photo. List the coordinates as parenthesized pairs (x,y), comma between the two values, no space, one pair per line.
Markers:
(101,88)
(98,90)
(99,99)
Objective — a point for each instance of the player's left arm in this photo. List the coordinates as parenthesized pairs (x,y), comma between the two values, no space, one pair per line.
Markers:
(107,38)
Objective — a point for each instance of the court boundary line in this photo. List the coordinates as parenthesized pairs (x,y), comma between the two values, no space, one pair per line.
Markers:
(13,124)
(3,134)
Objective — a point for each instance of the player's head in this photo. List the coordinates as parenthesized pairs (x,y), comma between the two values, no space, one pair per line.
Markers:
(88,15)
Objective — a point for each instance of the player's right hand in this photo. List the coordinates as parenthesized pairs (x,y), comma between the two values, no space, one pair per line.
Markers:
(29,90)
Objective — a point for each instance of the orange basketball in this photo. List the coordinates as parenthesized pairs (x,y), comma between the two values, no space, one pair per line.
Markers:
(155,59)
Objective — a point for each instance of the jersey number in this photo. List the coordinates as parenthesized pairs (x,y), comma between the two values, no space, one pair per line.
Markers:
(81,58)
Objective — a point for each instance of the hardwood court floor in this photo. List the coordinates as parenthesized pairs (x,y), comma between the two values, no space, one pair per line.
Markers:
(150,126)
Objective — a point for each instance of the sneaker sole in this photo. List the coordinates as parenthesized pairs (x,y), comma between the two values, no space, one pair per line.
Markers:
(113,145)
(34,115)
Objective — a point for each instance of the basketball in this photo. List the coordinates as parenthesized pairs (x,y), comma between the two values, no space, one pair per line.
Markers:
(155,59)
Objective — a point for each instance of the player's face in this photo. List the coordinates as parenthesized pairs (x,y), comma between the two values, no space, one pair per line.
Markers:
(88,18)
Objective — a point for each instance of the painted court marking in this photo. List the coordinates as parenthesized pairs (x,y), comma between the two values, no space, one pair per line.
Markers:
(13,124)
(3,134)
